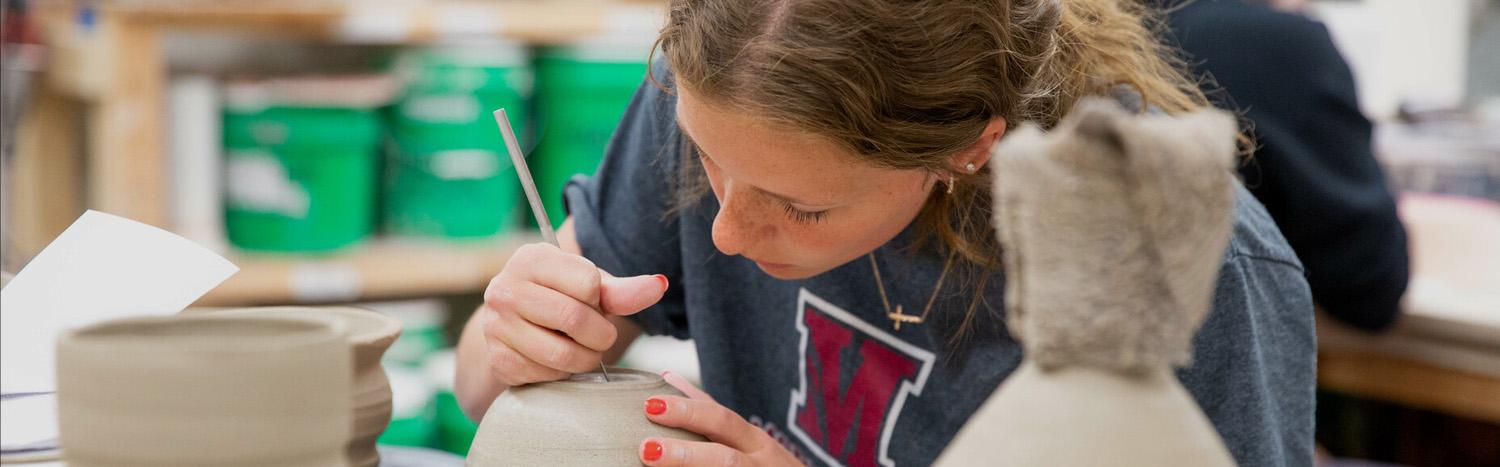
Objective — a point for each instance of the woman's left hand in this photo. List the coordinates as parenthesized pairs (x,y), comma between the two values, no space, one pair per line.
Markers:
(732,441)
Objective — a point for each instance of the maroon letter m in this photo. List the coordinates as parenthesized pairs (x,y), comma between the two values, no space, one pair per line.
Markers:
(852,385)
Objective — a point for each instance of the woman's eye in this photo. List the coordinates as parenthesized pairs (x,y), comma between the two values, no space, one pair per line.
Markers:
(805,217)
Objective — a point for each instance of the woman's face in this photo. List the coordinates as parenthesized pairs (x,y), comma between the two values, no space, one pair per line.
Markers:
(797,205)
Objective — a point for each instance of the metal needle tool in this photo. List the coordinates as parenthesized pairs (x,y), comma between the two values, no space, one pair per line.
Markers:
(529,186)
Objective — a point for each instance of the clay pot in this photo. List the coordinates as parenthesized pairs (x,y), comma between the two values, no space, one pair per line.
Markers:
(581,421)
(1114,225)
(369,335)
(204,390)
(1078,416)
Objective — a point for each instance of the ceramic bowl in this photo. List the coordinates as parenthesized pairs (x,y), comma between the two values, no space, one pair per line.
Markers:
(204,390)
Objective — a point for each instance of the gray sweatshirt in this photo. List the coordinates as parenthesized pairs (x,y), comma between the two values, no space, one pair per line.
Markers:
(818,365)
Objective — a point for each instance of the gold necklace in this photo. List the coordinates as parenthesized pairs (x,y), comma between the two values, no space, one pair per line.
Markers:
(897,317)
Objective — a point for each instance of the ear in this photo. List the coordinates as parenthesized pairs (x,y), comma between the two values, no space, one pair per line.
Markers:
(978,153)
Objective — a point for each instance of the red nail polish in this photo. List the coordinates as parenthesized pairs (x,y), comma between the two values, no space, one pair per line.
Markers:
(656,406)
(653,451)
(663,280)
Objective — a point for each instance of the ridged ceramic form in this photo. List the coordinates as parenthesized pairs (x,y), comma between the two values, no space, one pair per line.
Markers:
(582,421)
(369,335)
(1113,226)
(193,390)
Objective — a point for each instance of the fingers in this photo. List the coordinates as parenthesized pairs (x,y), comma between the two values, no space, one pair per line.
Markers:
(551,309)
(512,369)
(707,418)
(527,353)
(543,318)
(671,452)
(545,265)
(630,295)
(686,387)
(578,278)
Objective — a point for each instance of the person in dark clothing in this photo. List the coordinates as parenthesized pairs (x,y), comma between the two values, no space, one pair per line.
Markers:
(1312,168)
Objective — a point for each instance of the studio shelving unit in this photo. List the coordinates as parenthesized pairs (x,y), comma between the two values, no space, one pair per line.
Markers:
(95,136)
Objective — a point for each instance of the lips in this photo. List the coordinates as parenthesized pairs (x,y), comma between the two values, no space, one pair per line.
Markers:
(770,265)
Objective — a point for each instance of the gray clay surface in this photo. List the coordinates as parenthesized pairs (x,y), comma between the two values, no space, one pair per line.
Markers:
(582,421)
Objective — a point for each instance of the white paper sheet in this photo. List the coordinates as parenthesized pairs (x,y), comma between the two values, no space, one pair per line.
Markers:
(28,422)
(102,267)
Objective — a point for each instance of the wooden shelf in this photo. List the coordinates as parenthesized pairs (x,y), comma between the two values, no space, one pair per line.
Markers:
(1410,382)
(384,268)
(388,22)
(406,21)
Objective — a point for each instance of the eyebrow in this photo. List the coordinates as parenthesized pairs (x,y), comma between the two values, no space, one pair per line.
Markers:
(704,154)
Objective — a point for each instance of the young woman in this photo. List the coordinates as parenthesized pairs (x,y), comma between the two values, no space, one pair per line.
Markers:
(803,190)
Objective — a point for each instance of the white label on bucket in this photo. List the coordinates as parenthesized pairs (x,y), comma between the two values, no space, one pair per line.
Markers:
(258,182)
(465,164)
(442,108)
(324,282)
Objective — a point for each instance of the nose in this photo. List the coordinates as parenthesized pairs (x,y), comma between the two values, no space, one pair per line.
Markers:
(734,229)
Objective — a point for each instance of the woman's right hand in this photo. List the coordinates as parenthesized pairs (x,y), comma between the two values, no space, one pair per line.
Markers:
(544,314)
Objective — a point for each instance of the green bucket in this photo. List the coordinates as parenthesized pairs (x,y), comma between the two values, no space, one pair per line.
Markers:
(448,175)
(467,68)
(458,120)
(455,432)
(300,179)
(456,193)
(581,95)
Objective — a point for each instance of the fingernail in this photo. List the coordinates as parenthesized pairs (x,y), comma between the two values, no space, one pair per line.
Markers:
(663,280)
(656,406)
(652,451)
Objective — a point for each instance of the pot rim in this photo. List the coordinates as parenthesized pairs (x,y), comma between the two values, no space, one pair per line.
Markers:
(202,333)
(635,379)
(378,328)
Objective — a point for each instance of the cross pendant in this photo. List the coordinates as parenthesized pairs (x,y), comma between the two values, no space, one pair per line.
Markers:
(897,318)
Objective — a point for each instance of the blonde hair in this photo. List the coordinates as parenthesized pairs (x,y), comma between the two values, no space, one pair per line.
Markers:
(909,84)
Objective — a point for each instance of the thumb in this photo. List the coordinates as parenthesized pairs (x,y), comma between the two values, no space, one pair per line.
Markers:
(630,295)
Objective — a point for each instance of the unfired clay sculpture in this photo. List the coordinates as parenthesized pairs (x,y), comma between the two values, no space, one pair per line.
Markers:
(581,421)
(1113,227)
(204,390)
(369,334)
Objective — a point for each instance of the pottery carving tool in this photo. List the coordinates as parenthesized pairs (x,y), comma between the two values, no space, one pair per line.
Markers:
(529,185)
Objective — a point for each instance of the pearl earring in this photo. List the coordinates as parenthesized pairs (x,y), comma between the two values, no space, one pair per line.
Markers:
(970,167)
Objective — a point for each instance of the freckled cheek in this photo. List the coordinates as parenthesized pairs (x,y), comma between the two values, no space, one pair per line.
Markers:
(866,229)
(820,239)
